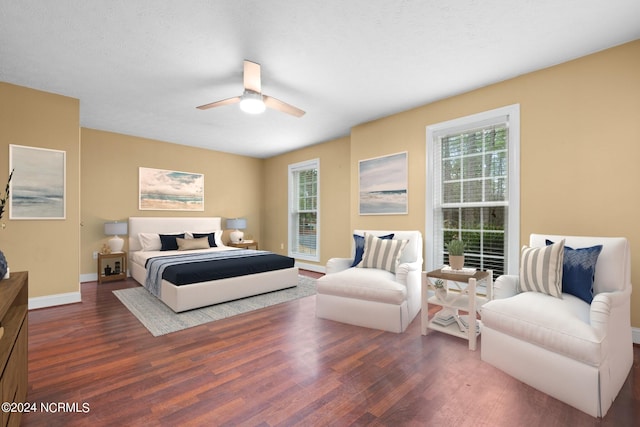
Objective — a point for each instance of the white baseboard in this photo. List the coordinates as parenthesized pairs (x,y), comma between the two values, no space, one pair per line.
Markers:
(93,277)
(311,267)
(635,333)
(53,300)
(90,277)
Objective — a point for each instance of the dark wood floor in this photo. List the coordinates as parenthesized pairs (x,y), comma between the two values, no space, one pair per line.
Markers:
(276,366)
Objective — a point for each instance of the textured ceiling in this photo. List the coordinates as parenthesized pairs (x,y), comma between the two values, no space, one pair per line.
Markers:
(140,67)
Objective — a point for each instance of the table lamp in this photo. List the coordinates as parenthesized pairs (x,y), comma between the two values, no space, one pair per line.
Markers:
(237,224)
(113,229)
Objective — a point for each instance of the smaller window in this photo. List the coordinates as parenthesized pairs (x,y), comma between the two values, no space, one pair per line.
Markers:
(304,210)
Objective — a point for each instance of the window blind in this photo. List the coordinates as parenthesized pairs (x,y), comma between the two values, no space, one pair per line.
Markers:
(471,196)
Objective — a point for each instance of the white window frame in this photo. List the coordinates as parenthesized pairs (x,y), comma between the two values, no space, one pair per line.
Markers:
(293,209)
(512,114)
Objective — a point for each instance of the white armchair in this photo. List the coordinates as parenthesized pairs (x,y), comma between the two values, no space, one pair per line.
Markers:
(372,297)
(577,352)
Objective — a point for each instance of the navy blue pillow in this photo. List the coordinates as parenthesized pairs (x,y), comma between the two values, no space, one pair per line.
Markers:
(169,242)
(579,270)
(359,241)
(210,236)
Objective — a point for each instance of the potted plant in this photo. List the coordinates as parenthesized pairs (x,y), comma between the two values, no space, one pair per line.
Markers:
(456,254)
(441,289)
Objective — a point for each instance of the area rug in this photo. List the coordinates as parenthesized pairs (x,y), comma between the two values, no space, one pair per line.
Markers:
(160,319)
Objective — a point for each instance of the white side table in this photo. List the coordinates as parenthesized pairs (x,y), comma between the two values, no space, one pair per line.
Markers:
(458,298)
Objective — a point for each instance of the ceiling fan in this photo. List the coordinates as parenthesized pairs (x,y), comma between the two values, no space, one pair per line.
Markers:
(252,100)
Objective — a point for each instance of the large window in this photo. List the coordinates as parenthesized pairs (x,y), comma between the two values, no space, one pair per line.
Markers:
(473,186)
(304,209)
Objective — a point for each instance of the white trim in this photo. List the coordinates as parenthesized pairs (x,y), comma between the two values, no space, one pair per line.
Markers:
(90,277)
(53,300)
(635,334)
(311,267)
(512,115)
(93,277)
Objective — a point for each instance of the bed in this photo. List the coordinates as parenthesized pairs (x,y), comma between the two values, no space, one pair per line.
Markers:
(207,292)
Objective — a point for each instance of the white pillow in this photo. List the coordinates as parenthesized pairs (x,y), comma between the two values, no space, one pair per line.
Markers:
(541,269)
(150,241)
(381,253)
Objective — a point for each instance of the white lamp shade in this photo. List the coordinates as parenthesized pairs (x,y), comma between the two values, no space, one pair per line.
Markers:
(113,229)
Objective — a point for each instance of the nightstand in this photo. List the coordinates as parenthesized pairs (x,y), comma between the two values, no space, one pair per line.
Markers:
(112,267)
(245,245)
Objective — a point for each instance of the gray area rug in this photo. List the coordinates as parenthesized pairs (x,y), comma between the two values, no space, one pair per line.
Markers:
(160,319)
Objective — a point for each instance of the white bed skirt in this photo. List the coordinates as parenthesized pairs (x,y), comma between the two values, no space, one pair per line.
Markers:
(187,297)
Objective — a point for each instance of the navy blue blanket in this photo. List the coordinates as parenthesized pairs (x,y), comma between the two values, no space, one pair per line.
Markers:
(185,269)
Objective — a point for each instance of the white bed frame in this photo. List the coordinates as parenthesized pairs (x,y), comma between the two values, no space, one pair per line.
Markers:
(187,297)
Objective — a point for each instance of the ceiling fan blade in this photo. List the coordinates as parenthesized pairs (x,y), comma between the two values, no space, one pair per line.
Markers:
(276,104)
(227,101)
(252,76)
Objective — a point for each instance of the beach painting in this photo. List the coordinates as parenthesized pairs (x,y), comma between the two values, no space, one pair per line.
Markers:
(38,186)
(383,185)
(165,190)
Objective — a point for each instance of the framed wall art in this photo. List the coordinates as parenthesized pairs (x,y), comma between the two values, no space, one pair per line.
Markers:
(383,185)
(165,190)
(38,186)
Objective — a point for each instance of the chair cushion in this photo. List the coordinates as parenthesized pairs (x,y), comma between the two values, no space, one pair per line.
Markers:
(559,325)
(358,242)
(579,271)
(370,284)
(541,269)
(381,253)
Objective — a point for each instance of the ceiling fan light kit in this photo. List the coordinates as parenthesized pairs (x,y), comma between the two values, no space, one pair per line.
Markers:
(252,103)
(252,100)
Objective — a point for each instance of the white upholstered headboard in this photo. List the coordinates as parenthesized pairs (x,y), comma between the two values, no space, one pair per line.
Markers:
(169,225)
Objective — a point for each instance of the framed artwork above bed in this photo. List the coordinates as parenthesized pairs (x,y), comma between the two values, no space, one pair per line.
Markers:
(166,190)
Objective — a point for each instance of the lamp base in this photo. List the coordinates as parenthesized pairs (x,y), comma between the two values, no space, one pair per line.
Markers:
(236,236)
(115,244)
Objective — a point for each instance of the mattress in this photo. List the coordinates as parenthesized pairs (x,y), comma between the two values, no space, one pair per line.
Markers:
(185,268)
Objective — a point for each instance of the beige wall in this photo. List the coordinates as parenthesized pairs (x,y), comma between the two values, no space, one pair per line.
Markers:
(580,145)
(334,198)
(110,163)
(48,249)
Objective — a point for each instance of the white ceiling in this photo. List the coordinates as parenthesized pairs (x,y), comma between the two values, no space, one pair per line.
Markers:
(140,67)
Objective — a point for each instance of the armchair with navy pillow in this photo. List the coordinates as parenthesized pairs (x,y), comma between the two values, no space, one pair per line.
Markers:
(378,286)
(563,324)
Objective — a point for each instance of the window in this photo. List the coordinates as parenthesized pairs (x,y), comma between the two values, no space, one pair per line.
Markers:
(473,180)
(304,209)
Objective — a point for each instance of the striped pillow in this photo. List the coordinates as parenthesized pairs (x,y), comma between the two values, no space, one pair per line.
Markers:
(381,253)
(541,269)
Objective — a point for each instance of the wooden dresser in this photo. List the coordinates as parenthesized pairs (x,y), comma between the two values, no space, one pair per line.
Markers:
(14,300)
